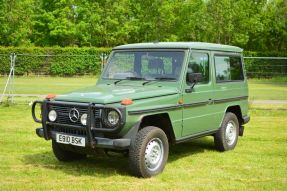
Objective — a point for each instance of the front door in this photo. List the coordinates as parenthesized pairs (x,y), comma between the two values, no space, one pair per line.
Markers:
(198,114)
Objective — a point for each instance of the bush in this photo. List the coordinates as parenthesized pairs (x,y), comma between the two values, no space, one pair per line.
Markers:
(265,68)
(53,60)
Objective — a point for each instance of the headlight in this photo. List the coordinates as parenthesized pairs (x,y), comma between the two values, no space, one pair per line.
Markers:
(52,115)
(84,119)
(113,118)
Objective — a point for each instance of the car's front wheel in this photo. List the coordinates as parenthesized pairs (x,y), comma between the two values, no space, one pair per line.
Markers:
(148,152)
(65,155)
(226,137)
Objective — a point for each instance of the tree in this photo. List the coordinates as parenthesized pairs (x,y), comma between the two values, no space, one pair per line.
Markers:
(15,19)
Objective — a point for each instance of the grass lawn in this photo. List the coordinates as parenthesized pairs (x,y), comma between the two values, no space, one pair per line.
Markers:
(45,85)
(258,162)
(265,89)
(259,89)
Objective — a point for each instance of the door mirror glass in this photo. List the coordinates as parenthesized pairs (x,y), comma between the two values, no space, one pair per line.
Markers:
(193,78)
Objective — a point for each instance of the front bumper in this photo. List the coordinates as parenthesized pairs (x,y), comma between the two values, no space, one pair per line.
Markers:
(119,144)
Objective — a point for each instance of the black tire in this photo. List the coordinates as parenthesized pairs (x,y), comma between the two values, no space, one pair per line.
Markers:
(222,141)
(148,140)
(65,155)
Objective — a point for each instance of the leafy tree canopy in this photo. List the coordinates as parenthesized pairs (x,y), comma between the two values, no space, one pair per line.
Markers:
(250,24)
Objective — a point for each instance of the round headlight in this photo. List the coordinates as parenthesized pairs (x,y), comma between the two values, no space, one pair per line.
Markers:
(52,115)
(113,117)
(84,119)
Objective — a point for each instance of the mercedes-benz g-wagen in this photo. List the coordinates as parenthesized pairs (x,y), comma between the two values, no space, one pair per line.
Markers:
(150,96)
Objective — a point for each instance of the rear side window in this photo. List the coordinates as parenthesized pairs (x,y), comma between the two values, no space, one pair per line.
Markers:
(228,68)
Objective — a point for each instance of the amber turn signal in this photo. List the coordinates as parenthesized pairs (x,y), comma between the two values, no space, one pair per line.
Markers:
(50,96)
(127,101)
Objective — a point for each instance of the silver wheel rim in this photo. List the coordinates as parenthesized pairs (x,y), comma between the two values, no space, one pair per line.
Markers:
(230,133)
(154,154)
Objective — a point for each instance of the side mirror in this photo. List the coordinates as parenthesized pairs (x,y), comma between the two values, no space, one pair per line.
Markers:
(192,78)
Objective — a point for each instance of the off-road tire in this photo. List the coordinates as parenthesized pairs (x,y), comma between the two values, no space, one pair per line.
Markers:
(137,152)
(65,155)
(220,138)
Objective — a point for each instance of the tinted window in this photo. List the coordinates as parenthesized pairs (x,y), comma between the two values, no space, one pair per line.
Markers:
(228,68)
(198,63)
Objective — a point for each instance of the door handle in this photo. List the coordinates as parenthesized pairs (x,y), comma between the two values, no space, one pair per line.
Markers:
(210,101)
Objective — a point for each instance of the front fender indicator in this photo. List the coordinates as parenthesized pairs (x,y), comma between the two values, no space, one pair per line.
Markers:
(50,96)
(127,101)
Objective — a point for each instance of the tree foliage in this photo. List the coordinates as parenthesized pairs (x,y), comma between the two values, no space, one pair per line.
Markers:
(250,24)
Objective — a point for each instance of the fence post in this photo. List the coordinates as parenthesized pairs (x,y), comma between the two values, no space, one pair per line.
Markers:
(10,80)
(13,76)
(103,57)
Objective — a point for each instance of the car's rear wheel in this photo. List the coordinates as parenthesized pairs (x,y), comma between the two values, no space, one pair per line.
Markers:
(226,137)
(65,155)
(148,152)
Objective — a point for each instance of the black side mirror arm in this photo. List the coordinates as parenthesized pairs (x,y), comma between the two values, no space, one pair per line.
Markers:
(189,90)
(192,78)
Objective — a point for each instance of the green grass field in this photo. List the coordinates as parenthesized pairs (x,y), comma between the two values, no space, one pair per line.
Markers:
(257,163)
(266,89)
(259,89)
(45,85)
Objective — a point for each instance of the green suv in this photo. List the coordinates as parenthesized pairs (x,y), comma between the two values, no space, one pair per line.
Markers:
(150,96)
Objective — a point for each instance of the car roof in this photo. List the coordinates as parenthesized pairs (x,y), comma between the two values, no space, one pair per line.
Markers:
(180,45)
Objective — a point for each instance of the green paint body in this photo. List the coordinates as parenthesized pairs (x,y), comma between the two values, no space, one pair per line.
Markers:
(187,118)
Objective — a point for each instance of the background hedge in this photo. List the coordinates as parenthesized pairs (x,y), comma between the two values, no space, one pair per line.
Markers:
(71,61)
(265,68)
(58,61)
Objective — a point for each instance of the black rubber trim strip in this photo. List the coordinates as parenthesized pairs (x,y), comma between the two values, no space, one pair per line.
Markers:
(154,110)
(196,104)
(230,99)
(196,135)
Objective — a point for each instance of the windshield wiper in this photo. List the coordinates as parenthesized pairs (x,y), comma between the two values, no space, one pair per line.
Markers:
(165,78)
(158,79)
(148,81)
(135,78)
(117,81)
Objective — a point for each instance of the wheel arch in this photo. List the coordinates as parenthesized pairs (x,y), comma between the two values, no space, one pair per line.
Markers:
(160,120)
(237,111)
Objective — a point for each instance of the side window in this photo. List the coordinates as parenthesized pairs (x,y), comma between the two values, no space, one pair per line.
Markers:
(199,63)
(228,68)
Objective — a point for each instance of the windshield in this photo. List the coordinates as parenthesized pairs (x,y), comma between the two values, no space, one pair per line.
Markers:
(144,65)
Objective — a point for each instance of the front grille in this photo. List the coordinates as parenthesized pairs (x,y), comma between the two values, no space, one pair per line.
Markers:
(68,130)
(63,115)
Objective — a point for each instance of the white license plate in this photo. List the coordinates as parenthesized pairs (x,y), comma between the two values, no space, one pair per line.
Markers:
(73,140)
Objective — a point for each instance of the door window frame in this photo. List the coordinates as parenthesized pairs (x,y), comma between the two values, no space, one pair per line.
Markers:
(209,64)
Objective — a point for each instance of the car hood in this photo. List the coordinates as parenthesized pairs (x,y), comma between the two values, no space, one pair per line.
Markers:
(106,94)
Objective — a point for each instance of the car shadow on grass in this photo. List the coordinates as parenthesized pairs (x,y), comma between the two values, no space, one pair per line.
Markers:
(188,148)
(102,165)
(99,166)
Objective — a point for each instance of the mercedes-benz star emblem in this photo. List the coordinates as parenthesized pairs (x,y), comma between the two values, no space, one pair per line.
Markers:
(74,115)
